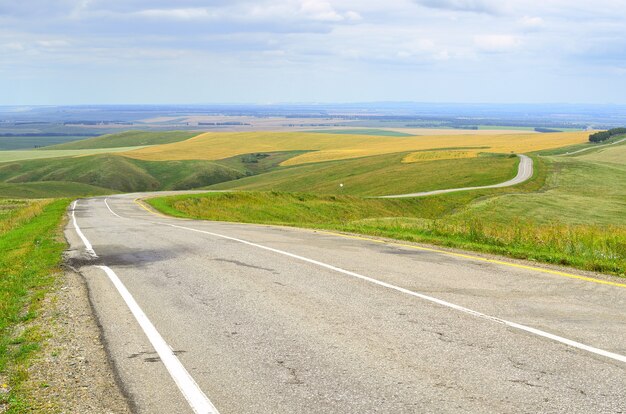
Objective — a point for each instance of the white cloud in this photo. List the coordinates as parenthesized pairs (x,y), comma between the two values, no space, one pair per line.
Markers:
(497,42)
(477,6)
(532,22)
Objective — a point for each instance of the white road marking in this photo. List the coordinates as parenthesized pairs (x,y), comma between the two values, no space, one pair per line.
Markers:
(88,246)
(196,398)
(515,325)
(113,212)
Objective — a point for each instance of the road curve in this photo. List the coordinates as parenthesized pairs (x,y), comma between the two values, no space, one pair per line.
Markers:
(524,173)
(210,316)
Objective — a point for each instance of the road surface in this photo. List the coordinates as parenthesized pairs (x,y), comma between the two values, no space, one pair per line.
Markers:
(524,173)
(237,318)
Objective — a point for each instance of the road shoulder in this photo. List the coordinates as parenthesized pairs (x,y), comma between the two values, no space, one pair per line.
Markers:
(72,372)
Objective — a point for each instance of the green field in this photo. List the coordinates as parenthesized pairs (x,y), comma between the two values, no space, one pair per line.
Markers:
(126,139)
(31,245)
(9,156)
(363,131)
(30,142)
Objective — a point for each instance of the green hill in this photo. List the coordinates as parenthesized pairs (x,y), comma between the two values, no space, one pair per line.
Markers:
(380,175)
(110,172)
(126,139)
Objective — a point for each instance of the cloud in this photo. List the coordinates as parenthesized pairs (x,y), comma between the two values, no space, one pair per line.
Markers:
(497,43)
(448,39)
(476,6)
(532,22)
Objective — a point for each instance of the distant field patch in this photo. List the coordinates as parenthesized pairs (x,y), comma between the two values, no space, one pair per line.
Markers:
(438,155)
(10,156)
(127,139)
(329,147)
(30,142)
(363,131)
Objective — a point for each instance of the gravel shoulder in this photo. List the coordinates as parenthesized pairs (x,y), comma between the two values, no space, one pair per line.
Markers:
(71,373)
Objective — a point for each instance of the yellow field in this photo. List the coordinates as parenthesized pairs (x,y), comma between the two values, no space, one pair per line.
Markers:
(451,131)
(327,147)
(439,155)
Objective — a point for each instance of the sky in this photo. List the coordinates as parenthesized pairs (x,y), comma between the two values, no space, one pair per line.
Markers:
(55,52)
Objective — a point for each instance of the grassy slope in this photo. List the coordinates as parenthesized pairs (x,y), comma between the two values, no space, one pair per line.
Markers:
(126,139)
(118,173)
(30,254)
(380,175)
(103,174)
(577,192)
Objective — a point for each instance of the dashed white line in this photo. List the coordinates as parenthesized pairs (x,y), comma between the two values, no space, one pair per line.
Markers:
(481,315)
(197,399)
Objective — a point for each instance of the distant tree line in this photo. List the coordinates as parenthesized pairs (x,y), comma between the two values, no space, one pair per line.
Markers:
(604,135)
(547,130)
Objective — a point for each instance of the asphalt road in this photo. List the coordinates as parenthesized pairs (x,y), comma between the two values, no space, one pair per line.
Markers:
(524,173)
(261,319)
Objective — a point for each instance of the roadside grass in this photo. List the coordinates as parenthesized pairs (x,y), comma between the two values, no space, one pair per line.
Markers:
(126,139)
(332,147)
(465,220)
(31,250)
(380,175)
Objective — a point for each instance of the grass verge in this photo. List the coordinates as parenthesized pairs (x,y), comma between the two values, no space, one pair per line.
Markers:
(587,247)
(31,249)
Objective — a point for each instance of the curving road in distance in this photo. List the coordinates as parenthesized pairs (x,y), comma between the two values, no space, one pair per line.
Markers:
(524,173)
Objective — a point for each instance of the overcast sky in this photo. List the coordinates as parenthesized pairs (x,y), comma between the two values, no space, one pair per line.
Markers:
(268,51)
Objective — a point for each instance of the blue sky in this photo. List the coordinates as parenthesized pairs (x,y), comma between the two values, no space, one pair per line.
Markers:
(268,51)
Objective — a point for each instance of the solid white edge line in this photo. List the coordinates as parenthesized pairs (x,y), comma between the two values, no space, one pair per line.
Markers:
(196,398)
(441,302)
(112,212)
(88,246)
